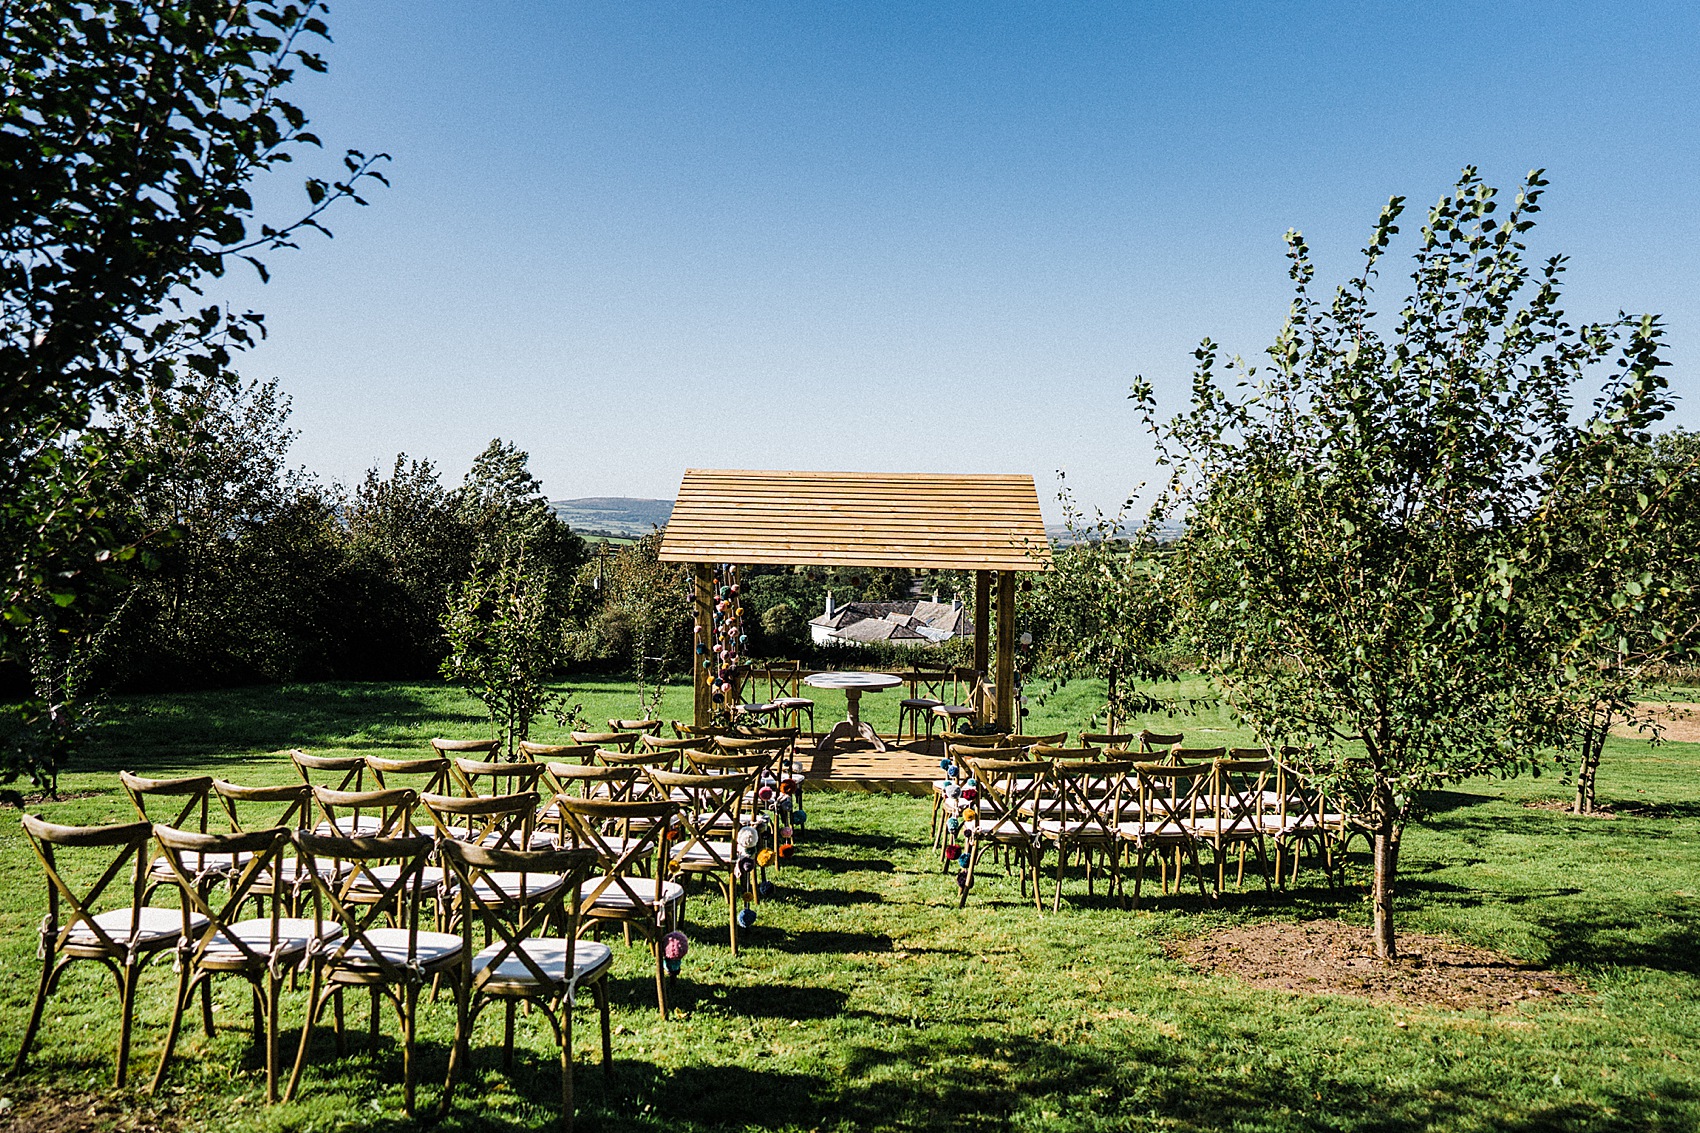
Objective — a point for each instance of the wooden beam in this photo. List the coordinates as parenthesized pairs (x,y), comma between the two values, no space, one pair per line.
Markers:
(1006,651)
(982,620)
(702,678)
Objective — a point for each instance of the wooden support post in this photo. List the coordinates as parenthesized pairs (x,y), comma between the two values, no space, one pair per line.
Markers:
(1006,651)
(703,676)
(982,640)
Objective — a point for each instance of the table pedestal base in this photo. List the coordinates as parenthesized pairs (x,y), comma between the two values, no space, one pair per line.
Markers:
(849,730)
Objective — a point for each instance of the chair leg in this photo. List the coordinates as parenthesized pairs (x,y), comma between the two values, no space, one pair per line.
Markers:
(274,994)
(409,1016)
(180,1003)
(508,1036)
(461,1048)
(126,1013)
(600,991)
(566,1067)
(47,968)
(732,913)
(315,1004)
(206,1008)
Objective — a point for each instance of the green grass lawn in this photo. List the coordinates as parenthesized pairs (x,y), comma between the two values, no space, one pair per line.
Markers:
(866,1000)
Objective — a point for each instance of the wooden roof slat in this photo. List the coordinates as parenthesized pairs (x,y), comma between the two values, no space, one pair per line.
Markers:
(967,522)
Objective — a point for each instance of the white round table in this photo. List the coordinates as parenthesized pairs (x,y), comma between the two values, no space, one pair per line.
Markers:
(853,685)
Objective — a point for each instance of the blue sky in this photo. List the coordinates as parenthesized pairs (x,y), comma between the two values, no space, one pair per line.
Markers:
(634,238)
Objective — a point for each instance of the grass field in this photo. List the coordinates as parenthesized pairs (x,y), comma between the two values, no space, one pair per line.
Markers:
(866,1000)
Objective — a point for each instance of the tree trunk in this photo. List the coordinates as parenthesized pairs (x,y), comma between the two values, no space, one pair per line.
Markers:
(1385,828)
(1593,743)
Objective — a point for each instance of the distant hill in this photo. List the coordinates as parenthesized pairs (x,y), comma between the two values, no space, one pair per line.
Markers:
(613,515)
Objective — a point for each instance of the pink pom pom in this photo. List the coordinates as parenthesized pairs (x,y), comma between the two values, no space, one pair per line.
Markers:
(674,945)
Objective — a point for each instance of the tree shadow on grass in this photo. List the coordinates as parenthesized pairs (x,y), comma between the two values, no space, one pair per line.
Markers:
(168,731)
(968,1080)
(826,863)
(1665,938)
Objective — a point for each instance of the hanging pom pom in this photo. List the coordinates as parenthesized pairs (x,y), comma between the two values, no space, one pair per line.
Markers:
(675,945)
(798,817)
(786,850)
(746,917)
(766,890)
(748,838)
(764,857)
(952,852)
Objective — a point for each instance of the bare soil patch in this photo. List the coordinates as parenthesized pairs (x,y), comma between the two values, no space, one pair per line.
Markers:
(1568,806)
(1679,722)
(1330,958)
(78,1111)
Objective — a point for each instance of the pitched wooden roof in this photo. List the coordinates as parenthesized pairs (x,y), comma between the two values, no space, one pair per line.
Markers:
(919,520)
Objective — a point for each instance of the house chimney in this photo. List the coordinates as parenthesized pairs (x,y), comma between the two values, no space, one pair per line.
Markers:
(956,604)
(829,606)
(935,597)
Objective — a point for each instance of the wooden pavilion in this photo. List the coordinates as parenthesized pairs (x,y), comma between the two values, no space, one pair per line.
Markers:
(986,524)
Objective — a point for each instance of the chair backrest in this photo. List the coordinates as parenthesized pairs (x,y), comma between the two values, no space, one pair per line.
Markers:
(503,822)
(752,763)
(1178,754)
(1151,742)
(1008,807)
(558,753)
(1236,793)
(1071,754)
(393,807)
(449,749)
(289,806)
(642,727)
(1089,795)
(351,768)
(619,741)
(972,739)
(1169,796)
(483,877)
(497,778)
(1120,740)
(384,900)
(1055,739)
(176,802)
(963,752)
(258,852)
(130,840)
(624,835)
(770,746)
(595,781)
(667,743)
(709,801)
(932,682)
(783,678)
(429,774)
(683,730)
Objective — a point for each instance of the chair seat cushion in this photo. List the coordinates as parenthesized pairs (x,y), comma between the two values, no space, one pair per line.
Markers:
(198,863)
(497,887)
(919,703)
(587,957)
(1153,830)
(707,853)
(1074,828)
(391,943)
(350,826)
(386,874)
(952,710)
(153,925)
(616,896)
(294,934)
(793,702)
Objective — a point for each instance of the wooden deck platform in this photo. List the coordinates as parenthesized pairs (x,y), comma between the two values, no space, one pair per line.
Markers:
(904,769)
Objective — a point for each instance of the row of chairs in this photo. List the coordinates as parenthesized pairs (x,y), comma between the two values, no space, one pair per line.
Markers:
(1102,805)
(637,827)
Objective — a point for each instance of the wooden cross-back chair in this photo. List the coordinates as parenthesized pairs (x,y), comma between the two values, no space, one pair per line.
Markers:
(375,938)
(522,965)
(392,810)
(289,806)
(1154,743)
(427,774)
(1117,741)
(784,696)
(1003,817)
(648,743)
(643,762)
(1066,754)
(708,805)
(632,843)
(952,711)
(339,773)
(947,791)
(1054,739)
(183,804)
(682,730)
(1087,816)
(642,727)
(1292,816)
(122,939)
(502,821)
(1234,817)
(217,941)
(1168,812)
(1178,754)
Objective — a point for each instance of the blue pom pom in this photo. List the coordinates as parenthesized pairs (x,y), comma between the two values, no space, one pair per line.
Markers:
(766,889)
(799,817)
(746,917)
